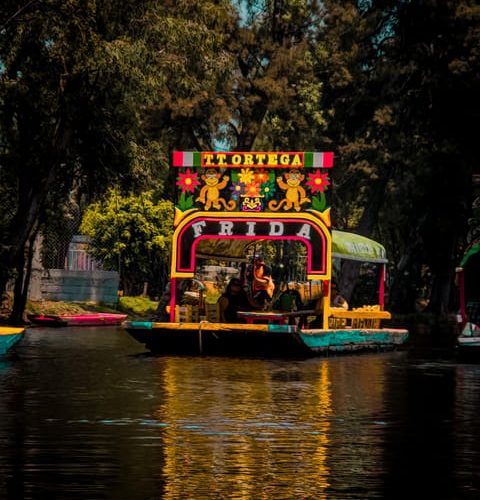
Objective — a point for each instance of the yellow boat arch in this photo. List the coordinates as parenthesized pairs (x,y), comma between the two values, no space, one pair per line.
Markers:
(308,227)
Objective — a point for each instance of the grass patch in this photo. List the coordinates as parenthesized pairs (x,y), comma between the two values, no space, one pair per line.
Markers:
(59,307)
(137,306)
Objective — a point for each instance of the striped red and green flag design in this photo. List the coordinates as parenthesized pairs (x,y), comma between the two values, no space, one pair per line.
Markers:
(208,159)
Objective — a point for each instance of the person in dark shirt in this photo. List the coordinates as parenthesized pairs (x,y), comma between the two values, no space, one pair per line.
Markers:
(289,300)
(234,299)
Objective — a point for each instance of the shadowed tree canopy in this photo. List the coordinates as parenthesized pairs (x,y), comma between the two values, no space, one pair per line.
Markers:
(69,92)
(400,82)
(93,93)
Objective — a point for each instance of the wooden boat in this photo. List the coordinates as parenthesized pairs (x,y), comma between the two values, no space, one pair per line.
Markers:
(468,284)
(9,336)
(228,202)
(87,319)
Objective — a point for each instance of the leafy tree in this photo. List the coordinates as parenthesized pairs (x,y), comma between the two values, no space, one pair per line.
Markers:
(69,93)
(131,234)
(236,76)
(443,80)
(99,93)
(401,79)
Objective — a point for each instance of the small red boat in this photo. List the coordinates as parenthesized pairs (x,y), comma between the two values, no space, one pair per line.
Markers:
(86,319)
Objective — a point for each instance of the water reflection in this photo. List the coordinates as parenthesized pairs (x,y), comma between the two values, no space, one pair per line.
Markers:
(85,414)
(258,425)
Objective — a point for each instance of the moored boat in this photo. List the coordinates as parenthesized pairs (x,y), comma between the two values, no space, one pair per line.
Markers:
(260,339)
(247,199)
(86,319)
(467,280)
(9,336)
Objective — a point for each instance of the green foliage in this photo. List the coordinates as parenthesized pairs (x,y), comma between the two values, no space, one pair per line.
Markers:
(137,306)
(99,93)
(131,234)
(73,78)
(401,117)
(319,202)
(185,202)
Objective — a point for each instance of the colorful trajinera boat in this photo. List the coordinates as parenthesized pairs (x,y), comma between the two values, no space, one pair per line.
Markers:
(468,283)
(9,336)
(229,202)
(87,319)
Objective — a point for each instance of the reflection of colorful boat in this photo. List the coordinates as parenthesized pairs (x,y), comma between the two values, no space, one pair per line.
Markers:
(87,319)
(250,198)
(9,336)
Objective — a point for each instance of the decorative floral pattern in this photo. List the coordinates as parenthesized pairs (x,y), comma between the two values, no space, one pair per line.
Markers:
(246,176)
(236,188)
(318,182)
(268,188)
(253,189)
(261,176)
(188,181)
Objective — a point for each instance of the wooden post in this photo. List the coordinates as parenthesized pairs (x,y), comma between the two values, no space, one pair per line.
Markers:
(326,290)
(460,282)
(381,288)
(173,294)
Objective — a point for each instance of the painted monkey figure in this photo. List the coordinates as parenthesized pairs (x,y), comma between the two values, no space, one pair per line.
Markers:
(295,194)
(210,192)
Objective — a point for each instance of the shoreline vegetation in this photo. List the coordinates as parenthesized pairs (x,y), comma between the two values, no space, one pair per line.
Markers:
(136,307)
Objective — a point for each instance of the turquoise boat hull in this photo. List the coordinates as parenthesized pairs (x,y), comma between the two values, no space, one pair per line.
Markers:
(259,340)
(9,336)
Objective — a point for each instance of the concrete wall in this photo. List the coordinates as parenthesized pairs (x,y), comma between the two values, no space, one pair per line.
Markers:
(81,286)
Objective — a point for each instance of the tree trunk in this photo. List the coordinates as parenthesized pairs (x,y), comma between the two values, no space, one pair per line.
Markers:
(22,283)
(32,196)
(16,314)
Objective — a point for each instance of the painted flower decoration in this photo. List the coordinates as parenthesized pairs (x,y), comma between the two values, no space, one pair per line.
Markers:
(246,175)
(268,189)
(237,189)
(261,176)
(318,181)
(188,181)
(252,190)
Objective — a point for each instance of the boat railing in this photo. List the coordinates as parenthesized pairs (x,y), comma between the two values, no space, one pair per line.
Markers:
(360,317)
(186,314)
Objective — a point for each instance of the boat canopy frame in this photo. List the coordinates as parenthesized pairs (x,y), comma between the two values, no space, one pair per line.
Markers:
(226,200)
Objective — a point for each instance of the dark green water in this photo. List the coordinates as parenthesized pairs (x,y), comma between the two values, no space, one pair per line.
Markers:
(85,413)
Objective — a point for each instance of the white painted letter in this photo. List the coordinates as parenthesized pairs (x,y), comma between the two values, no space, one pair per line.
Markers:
(304,231)
(251,228)
(225,228)
(197,228)
(276,228)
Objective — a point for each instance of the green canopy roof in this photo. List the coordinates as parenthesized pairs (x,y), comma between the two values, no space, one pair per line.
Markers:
(472,250)
(356,247)
(344,246)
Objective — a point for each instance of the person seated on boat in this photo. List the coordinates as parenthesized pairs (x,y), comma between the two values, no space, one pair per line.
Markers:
(161,314)
(234,299)
(337,299)
(290,300)
(262,282)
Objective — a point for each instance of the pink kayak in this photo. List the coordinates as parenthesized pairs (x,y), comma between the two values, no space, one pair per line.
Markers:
(86,319)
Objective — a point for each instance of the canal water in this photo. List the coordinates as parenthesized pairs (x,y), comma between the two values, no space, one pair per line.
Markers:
(85,413)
